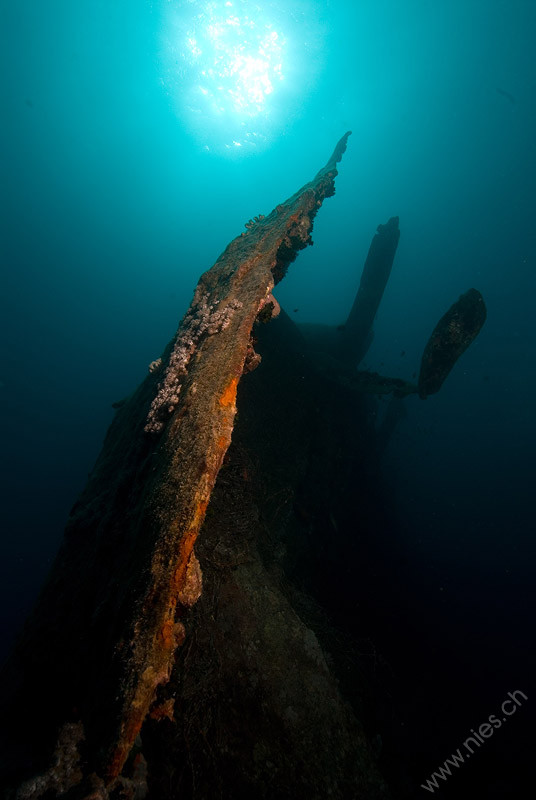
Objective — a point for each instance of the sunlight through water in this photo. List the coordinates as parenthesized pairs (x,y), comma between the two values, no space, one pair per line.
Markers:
(228,65)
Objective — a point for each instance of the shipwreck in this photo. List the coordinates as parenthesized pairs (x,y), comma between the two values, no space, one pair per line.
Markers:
(183,644)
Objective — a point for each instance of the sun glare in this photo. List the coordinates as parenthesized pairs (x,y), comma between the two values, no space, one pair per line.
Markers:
(241,63)
(231,56)
(237,70)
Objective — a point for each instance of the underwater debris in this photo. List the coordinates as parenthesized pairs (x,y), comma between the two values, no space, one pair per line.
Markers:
(450,339)
(452,335)
(126,568)
(358,327)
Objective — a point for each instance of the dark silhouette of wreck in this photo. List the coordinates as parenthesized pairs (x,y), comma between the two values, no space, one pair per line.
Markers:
(182,648)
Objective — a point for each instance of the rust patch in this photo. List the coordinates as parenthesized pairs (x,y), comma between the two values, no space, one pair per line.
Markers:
(163,710)
(167,634)
(165,488)
(228,398)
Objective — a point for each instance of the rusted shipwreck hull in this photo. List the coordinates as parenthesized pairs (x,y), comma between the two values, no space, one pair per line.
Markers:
(103,637)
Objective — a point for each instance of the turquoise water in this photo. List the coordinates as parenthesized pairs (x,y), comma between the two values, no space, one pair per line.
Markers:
(131,160)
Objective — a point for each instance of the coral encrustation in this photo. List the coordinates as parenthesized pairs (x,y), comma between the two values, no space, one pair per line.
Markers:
(202,319)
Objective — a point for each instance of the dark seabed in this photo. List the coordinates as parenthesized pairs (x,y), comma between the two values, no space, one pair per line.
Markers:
(138,138)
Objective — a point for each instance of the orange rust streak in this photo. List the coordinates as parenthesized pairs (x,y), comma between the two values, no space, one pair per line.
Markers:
(187,544)
(124,747)
(228,397)
(165,641)
(164,644)
(167,634)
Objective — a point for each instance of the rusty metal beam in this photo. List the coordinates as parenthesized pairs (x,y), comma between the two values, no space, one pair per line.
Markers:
(103,636)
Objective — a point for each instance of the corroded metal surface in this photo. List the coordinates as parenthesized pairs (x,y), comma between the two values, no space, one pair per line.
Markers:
(215,335)
(103,636)
(357,332)
(450,339)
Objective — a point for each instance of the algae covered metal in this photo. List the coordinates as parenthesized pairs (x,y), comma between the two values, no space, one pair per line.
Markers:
(103,635)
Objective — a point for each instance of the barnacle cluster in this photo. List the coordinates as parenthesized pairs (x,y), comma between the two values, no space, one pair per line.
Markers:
(254,221)
(203,319)
(155,365)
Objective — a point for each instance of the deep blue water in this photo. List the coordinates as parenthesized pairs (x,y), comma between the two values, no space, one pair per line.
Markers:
(122,183)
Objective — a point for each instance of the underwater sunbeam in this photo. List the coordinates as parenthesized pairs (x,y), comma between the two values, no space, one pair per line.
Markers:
(227,65)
